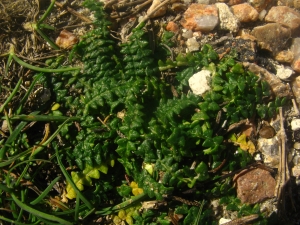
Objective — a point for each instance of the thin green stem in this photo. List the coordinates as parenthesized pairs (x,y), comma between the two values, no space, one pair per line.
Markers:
(24,99)
(11,95)
(13,137)
(70,181)
(8,122)
(12,221)
(45,118)
(51,43)
(45,70)
(116,208)
(38,213)
(47,12)
(9,60)
(45,192)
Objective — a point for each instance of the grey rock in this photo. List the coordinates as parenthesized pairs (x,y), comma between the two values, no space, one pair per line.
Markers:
(272,37)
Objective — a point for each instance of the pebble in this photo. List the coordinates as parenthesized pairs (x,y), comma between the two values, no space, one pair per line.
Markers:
(192,45)
(295,124)
(285,56)
(187,33)
(269,149)
(199,82)
(267,132)
(272,37)
(66,39)
(281,23)
(172,26)
(297,145)
(295,48)
(259,5)
(200,17)
(206,2)
(296,88)
(228,21)
(285,16)
(262,15)
(255,186)
(245,12)
(284,72)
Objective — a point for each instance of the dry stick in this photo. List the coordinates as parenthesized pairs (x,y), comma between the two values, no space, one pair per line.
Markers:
(129,4)
(296,110)
(110,3)
(147,17)
(72,11)
(128,14)
(284,175)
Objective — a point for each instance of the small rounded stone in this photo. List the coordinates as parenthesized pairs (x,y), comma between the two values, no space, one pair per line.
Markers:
(267,132)
(297,145)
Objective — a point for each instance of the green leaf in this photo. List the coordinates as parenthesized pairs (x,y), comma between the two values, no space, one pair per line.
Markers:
(202,115)
(213,106)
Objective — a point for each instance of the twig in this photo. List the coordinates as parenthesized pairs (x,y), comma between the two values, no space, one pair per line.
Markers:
(72,11)
(284,175)
(243,220)
(296,110)
(147,17)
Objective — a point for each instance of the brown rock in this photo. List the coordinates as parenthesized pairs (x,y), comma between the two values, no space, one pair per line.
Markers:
(267,132)
(290,3)
(285,16)
(235,2)
(296,89)
(259,5)
(295,48)
(255,186)
(272,37)
(172,26)
(245,12)
(296,65)
(66,39)
(200,17)
(285,56)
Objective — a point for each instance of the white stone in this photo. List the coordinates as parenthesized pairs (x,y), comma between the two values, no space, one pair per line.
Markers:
(223,220)
(199,82)
(295,124)
(284,73)
(187,33)
(262,15)
(228,21)
(207,22)
(192,45)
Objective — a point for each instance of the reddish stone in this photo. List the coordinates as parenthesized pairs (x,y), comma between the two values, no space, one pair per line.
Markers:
(285,56)
(172,26)
(245,12)
(285,16)
(66,39)
(255,186)
(200,17)
(296,65)
(235,2)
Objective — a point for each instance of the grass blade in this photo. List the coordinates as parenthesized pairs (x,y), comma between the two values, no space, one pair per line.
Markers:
(11,95)
(69,180)
(38,213)
(45,192)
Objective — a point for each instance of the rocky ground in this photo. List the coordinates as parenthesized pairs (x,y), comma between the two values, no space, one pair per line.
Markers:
(265,34)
